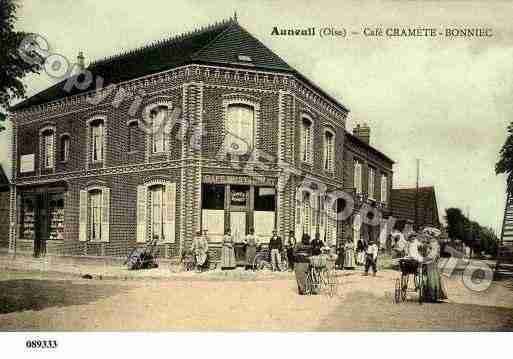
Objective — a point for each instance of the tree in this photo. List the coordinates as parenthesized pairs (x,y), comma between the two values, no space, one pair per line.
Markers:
(505,164)
(12,67)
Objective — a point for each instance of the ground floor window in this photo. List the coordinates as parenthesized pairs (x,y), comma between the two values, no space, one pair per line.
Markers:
(239,208)
(94,214)
(156,212)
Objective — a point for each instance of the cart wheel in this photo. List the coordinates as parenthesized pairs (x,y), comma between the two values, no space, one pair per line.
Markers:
(284,265)
(404,287)
(421,287)
(397,292)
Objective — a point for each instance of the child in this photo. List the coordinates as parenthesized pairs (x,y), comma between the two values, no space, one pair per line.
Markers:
(371,258)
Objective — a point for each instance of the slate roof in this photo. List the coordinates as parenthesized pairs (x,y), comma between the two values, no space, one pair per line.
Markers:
(402,201)
(357,142)
(220,43)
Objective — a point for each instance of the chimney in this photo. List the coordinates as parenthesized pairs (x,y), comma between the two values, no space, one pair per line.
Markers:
(362,132)
(80,61)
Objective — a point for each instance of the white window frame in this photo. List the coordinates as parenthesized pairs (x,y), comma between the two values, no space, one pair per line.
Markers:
(64,139)
(86,222)
(48,156)
(384,188)
(307,139)
(234,99)
(166,135)
(358,176)
(90,148)
(328,151)
(230,123)
(145,220)
(371,183)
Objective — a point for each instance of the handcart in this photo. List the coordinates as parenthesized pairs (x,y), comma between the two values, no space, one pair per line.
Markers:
(411,280)
(143,257)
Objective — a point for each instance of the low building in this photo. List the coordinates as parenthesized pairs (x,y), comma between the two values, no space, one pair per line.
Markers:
(369,176)
(404,201)
(207,130)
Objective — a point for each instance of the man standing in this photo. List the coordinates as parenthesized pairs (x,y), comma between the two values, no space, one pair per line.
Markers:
(371,258)
(275,247)
(291,245)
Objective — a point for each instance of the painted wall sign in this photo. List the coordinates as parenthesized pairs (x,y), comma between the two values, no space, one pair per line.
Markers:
(27,163)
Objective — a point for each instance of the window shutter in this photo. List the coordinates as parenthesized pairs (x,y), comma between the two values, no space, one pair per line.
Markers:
(169,214)
(105,214)
(142,195)
(82,236)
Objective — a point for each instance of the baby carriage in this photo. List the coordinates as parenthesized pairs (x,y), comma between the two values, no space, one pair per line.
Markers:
(143,257)
(411,279)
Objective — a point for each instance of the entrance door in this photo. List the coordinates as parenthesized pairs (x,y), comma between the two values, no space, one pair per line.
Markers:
(238,226)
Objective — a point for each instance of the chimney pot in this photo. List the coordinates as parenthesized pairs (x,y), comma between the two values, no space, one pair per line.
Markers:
(80,61)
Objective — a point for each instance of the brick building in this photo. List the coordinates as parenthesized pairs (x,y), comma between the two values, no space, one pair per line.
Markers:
(101,169)
(368,175)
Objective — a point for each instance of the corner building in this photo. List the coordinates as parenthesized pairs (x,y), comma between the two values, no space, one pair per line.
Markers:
(91,181)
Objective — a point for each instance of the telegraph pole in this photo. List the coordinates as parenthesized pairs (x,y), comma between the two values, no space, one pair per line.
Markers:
(415,225)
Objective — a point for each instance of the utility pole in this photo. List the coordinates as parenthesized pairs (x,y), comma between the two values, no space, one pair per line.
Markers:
(415,223)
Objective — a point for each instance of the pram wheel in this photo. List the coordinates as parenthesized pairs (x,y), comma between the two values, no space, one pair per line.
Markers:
(397,292)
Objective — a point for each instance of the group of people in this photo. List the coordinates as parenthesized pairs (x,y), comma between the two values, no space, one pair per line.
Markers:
(366,255)
(425,248)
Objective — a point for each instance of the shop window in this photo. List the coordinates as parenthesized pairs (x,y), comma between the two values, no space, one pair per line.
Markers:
(307,140)
(358,177)
(28,218)
(329,150)
(212,204)
(48,140)
(212,196)
(239,196)
(241,123)
(56,217)
(94,215)
(265,199)
(64,153)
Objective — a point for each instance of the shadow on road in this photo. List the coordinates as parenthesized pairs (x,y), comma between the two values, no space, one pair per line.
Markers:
(17,295)
(362,311)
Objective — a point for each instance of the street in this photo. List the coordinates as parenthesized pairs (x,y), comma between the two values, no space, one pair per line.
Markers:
(233,301)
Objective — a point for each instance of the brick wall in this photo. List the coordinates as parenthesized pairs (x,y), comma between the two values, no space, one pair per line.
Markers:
(4,218)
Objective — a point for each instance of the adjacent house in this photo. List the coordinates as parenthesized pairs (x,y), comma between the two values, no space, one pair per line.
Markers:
(404,202)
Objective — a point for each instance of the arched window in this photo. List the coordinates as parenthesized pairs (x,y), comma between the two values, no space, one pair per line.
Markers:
(306,139)
(159,118)
(329,150)
(64,150)
(241,123)
(48,148)
(132,136)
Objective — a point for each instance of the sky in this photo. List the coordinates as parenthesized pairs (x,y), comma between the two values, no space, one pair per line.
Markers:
(444,101)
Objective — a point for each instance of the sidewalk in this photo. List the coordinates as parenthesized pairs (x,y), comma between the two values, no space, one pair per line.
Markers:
(113,268)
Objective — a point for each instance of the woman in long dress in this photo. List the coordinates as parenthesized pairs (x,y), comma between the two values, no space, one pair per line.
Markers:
(349,255)
(228,253)
(434,288)
(251,244)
